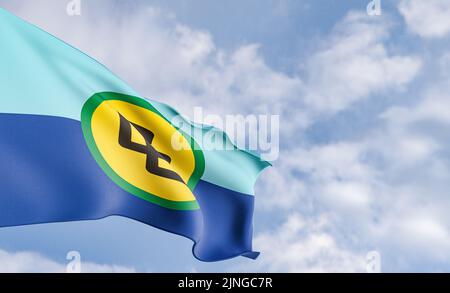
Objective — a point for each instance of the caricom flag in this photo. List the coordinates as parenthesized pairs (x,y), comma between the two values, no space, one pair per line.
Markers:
(77,143)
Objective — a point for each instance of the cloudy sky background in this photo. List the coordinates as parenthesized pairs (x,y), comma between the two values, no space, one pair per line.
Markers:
(364,107)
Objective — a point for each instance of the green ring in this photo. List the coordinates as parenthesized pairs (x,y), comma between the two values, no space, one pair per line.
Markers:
(86,120)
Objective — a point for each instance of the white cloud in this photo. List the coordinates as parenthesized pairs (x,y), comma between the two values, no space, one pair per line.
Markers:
(434,106)
(355,64)
(429,19)
(300,245)
(31,262)
(374,191)
(279,187)
(387,192)
(352,64)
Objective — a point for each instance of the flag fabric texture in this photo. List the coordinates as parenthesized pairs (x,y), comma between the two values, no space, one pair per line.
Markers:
(77,143)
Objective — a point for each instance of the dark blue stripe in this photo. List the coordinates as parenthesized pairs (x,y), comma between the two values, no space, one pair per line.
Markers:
(47,174)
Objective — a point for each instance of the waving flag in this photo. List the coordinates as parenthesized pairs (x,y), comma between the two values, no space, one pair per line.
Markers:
(77,143)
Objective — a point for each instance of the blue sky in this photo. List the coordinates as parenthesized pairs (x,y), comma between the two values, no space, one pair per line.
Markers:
(364,109)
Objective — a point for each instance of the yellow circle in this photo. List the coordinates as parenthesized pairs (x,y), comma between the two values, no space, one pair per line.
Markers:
(131,165)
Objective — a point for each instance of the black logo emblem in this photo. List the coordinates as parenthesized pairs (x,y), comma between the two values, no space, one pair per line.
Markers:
(153,155)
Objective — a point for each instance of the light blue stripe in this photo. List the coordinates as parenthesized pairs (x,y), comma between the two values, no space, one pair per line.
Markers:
(40,74)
